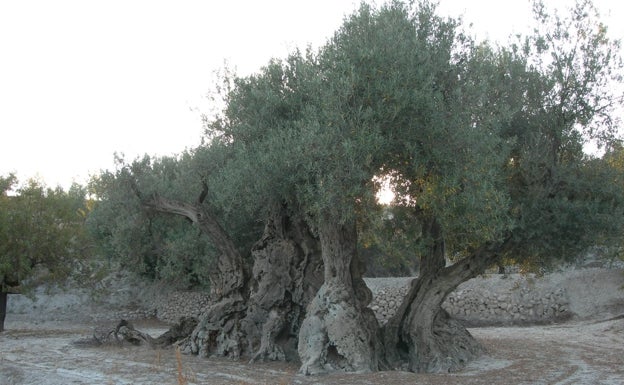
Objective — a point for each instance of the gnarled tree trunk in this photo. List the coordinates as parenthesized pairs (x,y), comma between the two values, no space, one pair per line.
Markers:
(3,307)
(287,274)
(230,275)
(7,286)
(257,314)
(422,337)
(339,331)
(218,331)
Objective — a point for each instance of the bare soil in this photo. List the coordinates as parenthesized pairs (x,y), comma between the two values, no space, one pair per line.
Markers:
(587,350)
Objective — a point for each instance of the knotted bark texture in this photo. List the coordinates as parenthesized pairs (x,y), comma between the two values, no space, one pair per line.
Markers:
(218,331)
(422,337)
(339,331)
(287,272)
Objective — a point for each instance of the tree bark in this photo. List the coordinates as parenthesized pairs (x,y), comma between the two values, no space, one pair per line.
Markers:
(3,308)
(258,314)
(218,331)
(422,337)
(8,286)
(125,332)
(339,331)
(287,274)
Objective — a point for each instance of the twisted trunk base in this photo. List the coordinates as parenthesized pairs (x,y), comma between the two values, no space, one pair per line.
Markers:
(218,331)
(286,274)
(338,334)
(288,271)
(339,331)
(422,337)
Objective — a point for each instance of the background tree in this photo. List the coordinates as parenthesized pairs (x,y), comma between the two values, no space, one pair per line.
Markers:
(39,227)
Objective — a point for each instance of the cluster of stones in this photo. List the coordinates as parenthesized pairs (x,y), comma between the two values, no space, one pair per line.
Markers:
(388,293)
(125,314)
(516,307)
(181,304)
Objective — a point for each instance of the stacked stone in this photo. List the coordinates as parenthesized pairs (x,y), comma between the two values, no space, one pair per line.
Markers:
(524,305)
(388,293)
(128,315)
(182,304)
(477,304)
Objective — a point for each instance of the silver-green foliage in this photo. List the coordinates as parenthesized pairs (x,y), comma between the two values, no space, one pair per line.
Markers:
(487,139)
(41,227)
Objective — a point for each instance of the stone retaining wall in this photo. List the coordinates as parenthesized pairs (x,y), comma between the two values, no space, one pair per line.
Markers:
(489,300)
(492,300)
(388,293)
(522,306)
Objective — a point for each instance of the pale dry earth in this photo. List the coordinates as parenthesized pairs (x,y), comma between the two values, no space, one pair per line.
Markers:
(587,350)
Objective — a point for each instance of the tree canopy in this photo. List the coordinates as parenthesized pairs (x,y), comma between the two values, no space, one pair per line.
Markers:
(487,139)
(157,246)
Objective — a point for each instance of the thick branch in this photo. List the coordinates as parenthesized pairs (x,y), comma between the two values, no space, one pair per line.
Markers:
(203,194)
(230,264)
(476,263)
(169,206)
(200,216)
(421,334)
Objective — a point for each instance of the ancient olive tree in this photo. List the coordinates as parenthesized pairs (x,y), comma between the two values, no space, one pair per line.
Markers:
(261,273)
(484,148)
(39,227)
(484,145)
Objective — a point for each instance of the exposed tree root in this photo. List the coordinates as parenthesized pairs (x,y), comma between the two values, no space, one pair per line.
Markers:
(124,332)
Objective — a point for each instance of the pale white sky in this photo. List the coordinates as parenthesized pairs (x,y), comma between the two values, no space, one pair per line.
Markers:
(82,79)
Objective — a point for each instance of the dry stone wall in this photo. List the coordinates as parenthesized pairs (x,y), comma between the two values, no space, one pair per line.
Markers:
(388,293)
(490,300)
(521,306)
(493,299)
(182,304)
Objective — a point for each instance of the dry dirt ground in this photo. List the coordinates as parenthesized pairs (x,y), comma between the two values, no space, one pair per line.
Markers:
(587,350)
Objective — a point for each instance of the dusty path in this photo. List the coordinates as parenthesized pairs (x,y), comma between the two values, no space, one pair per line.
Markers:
(587,352)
